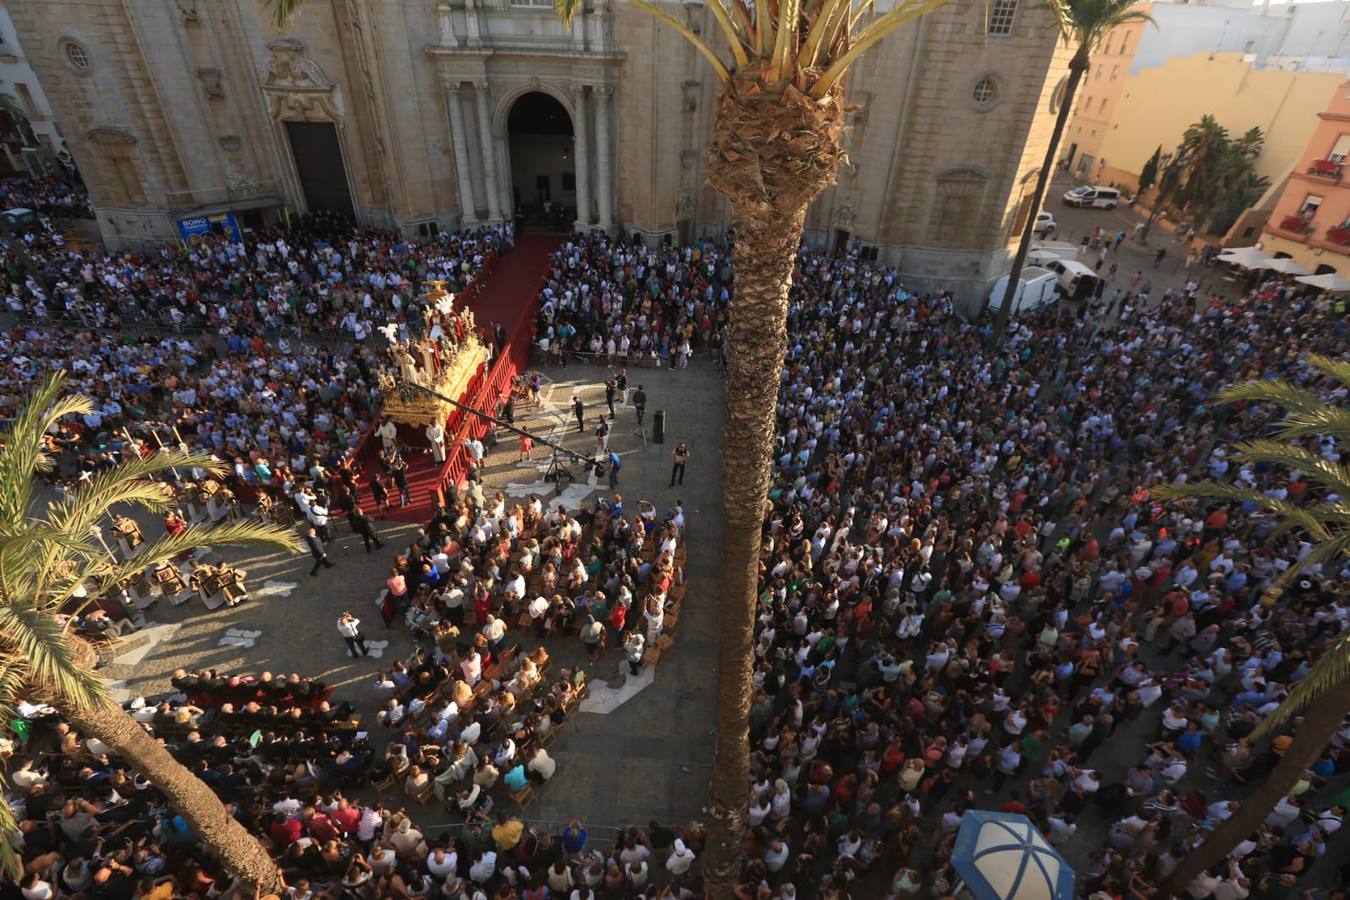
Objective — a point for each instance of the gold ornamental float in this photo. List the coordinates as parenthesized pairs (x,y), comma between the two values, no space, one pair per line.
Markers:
(445,357)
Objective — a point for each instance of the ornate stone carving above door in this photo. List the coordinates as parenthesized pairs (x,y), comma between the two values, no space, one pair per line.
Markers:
(296,88)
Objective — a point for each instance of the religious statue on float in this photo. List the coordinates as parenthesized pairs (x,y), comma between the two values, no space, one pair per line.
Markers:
(441,352)
(426,351)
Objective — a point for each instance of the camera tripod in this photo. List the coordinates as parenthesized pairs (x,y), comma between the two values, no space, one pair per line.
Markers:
(557,471)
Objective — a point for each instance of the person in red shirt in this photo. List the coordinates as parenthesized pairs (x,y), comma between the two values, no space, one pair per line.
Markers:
(285,831)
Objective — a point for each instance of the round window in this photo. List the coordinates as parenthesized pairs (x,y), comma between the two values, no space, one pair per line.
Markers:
(985,90)
(77,56)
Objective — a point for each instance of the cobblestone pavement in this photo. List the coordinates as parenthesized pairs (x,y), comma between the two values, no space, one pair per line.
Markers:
(648,758)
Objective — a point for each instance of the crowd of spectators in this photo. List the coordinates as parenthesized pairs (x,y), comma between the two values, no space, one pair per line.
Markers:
(969,598)
(319,282)
(612,299)
(61,198)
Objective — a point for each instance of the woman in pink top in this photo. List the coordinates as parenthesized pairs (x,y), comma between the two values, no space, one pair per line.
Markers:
(393,599)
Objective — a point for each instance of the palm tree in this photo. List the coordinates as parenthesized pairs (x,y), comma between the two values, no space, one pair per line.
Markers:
(1322,697)
(776,146)
(46,559)
(1082,25)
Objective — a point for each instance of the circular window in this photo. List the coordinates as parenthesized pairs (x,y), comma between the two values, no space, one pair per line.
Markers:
(77,56)
(985,91)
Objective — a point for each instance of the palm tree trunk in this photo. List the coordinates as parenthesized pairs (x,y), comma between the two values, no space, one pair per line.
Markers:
(226,839)
(1077,67)
(774,151)
(1320,723)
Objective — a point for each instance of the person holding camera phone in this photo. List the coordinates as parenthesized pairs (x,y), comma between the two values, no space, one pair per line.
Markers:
(349,626)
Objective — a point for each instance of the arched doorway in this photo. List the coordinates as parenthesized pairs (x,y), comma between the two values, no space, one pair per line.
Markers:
(543,162)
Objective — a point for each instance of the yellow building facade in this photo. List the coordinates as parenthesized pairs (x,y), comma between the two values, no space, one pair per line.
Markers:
(1157,104)
(1098,97)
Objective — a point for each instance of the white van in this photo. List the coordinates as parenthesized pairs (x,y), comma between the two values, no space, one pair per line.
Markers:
(1093,197)
(1036,288)
(1043,252)
(1075,279)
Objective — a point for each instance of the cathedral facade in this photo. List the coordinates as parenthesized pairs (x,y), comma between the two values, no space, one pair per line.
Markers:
(417,115)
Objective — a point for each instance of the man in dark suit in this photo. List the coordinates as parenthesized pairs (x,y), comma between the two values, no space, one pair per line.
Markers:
(316,550)
(364,525)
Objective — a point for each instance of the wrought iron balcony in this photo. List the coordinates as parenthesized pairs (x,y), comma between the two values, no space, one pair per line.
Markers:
(1296,224)
(1326,168)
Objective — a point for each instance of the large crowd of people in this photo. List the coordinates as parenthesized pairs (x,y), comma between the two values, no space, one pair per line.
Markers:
(969,596)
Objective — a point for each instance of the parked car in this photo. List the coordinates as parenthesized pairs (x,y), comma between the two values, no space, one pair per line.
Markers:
(1093,197)
(1036,288)
(1045,225)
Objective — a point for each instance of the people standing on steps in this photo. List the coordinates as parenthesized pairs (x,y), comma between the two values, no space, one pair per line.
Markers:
(349,626)
(526,447)
(380,491)
(436,436)
(400,472)
(678,458)
(388,432)
(579,410)
(611,391)
(621,385)
(316,550)
(364,526)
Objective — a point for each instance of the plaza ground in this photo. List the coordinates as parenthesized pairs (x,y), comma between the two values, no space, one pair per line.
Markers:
(647,758)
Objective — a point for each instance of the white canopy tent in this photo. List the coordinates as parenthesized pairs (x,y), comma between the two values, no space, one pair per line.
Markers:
(1246,257)
(1328,282)
(1285,266)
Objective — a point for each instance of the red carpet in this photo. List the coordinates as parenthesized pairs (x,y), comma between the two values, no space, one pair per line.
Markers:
(509,289)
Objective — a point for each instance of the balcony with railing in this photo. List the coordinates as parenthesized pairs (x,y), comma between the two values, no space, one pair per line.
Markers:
(1339,235)
(1330,169)
(1300,225)
(248,192)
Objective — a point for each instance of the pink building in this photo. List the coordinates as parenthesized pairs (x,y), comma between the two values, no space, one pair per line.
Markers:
(1311,217)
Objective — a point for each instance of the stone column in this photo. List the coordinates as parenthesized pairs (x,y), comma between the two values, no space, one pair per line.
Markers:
(604,160)
(489,152)
(582,133)
(468,209)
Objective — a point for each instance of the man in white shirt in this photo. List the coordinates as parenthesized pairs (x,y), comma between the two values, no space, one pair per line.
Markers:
(349,626)
(388,431)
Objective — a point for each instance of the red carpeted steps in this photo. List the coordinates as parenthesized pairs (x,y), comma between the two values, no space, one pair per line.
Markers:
(507,295)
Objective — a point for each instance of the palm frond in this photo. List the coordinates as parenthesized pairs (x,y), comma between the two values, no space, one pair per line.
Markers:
(1331,475)
(29,632)
(127,483)
(1338,369)
(1305,413)
(718,66)
(170,547)
(905,11)
(11,860)
(22,452)
(736,38)
(1330,673)
(283,11)
(1303,517)
(780,67)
